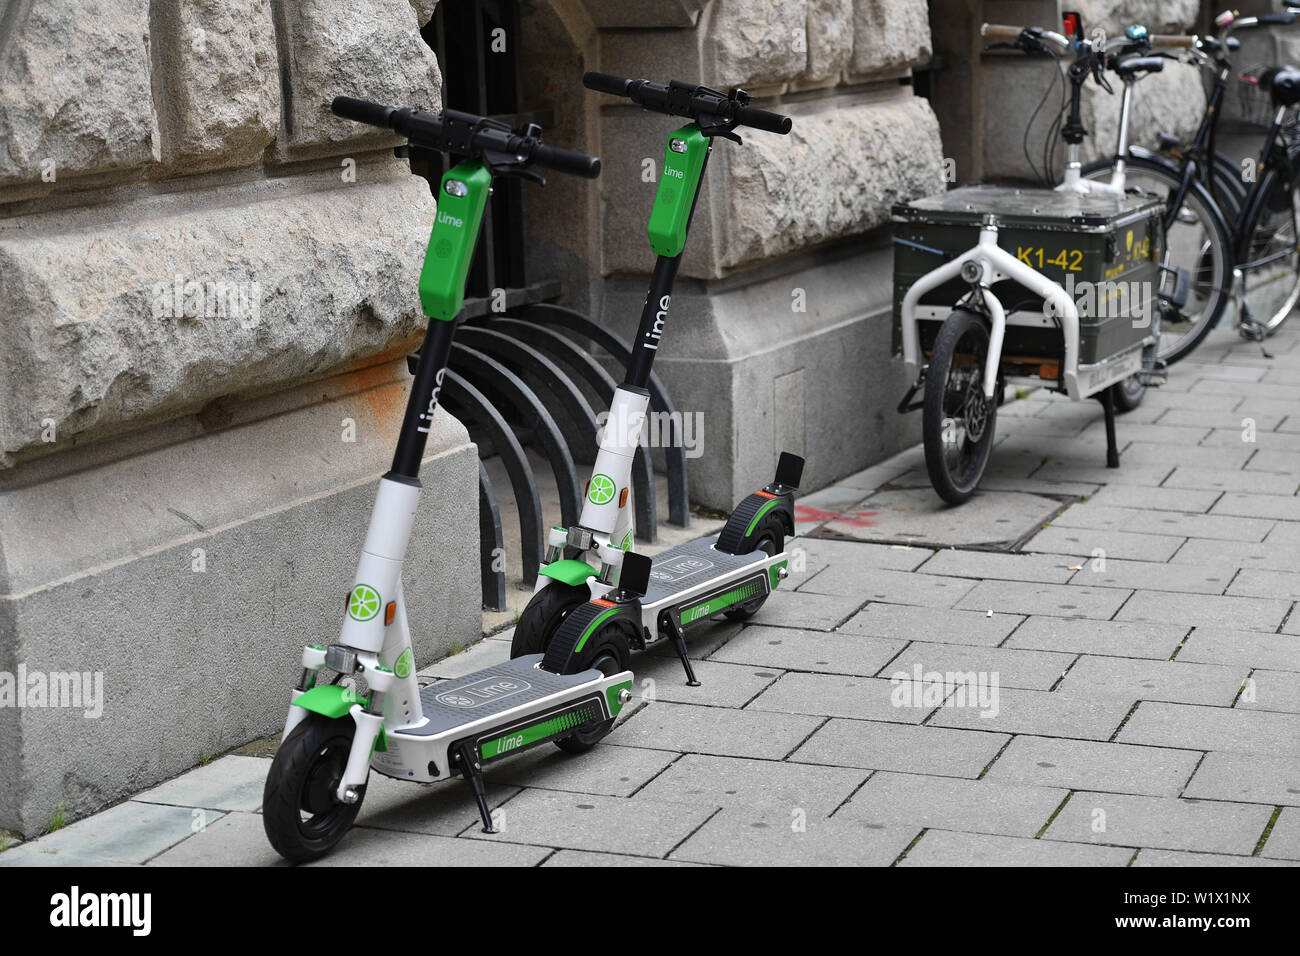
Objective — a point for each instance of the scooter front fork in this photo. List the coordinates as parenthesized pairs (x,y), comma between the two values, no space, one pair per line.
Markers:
(370,722)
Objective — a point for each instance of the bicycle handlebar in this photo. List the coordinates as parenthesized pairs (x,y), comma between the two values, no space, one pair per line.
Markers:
(464,134)
(1000,31)
(713,110)
(1228,21)
(1172,40)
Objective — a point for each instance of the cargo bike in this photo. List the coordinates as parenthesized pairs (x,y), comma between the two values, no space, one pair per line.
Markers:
(999,285)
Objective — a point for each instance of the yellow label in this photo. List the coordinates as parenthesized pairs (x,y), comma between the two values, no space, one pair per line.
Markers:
(1067,260)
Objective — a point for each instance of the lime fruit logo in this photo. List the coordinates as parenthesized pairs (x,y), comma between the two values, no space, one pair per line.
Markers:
(402,668)
(364,603)
(602,490)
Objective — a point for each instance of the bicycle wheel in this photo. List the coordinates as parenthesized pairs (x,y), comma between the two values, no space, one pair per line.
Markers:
(1197,239)
(1268,255)
(1229,188)
(957,421)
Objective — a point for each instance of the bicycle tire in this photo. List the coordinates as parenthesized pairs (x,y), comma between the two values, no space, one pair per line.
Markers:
(1227,187)
(1209,258)
(1262,253)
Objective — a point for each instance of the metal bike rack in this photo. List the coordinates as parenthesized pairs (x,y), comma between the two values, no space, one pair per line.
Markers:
(507,372)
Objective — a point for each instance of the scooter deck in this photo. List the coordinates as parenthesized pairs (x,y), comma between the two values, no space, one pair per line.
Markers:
(692,564)
(511,685)
(696,575)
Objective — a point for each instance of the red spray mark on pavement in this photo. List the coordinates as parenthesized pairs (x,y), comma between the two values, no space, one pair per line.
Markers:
(859,519)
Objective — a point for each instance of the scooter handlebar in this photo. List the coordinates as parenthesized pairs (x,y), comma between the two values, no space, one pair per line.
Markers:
(755,118)
(468,135)
(688,100)
(567,161)
(606,83)
(363,111)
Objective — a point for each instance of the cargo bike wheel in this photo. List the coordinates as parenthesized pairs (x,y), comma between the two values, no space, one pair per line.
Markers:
(957,421)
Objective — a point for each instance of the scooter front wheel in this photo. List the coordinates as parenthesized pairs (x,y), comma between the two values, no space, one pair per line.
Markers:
(543,615)
(957,420)
(301,813)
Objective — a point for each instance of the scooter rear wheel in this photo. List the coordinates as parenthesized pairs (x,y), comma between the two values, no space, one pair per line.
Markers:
(302,816)
(608,652)
(768,537)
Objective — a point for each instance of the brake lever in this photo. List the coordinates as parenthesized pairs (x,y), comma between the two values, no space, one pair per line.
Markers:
(721,128)
(510,164)
(1099,75)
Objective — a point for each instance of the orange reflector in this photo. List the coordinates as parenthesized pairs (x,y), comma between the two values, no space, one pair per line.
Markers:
(622,498)
(1050,371)
(603,603)
(390,612)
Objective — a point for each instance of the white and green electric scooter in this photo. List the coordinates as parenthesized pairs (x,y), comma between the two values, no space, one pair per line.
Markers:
(334,736)
(731,573)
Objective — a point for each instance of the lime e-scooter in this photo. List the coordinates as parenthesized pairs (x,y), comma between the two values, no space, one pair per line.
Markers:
(730,573)
(334,735)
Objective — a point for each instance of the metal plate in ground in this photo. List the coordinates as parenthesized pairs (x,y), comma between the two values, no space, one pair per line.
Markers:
(994,520)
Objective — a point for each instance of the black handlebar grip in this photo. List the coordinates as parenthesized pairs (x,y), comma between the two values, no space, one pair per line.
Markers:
(606,83)
(362,111)
(762,119)
(567,161)
(1276,19)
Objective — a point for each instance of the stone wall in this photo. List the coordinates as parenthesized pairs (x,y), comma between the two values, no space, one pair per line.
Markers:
(208,284)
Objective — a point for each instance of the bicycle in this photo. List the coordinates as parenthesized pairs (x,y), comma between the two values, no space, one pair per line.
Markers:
(1005,310)
(1198,238)
(1254,229)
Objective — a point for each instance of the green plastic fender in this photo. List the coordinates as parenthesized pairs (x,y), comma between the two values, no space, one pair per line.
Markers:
(569,571)
(334,701)
(329,700)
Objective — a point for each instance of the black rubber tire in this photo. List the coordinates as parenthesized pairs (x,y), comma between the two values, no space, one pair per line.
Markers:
(303,778)
(1266,218)
(768,537)
(543,615)
(1229,190)
(1216,274)
(608,652)
(1128,394)
(935,410)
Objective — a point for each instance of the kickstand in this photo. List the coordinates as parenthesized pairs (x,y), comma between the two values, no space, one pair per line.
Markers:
(472,771)
(1108,406)
(669,624)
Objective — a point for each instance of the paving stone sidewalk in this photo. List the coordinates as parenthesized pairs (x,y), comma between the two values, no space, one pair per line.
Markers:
(1130,637)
